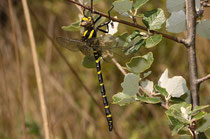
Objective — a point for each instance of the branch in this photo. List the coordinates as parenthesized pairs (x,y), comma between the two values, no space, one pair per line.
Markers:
(117,64)
(178,40)
(199,81)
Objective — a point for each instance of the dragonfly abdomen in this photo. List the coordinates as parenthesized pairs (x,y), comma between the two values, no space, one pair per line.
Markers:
(97,56)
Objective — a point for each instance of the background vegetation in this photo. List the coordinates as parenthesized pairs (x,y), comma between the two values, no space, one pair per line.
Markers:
(71,111)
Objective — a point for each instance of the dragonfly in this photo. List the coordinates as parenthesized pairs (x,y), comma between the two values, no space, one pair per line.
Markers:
(89,45)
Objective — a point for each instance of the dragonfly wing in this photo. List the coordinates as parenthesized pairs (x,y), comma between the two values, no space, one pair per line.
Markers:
(86,50)
(71,44)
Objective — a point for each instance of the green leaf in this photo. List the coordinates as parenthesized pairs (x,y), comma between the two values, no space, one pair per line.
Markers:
(175,111)
(139,64)
(203,124)
(197,108)
(161,90)
(134,46)
(176,129)
(122,6)
(203,28)
(154,19)
(89,62)
(131,84)
(172,120)
(200,115)
(133,42)
(177,107)
(122,99)
(176,100)
(150,100)
(73,27)
(153,40)
(139,3)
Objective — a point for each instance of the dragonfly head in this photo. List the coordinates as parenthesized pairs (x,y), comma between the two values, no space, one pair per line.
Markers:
(86,21)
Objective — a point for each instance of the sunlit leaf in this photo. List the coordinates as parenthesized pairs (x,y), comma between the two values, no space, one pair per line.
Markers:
(175,5)
(176,23)
(203,28)
(197,5)
(139,64)
(131,84)
(175,86)
(113,29)
(153,40)
(147,85)
(139,3)
(154,19)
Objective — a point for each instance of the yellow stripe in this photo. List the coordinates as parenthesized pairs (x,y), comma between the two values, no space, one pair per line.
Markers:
(98,60)
(91,34)
(85,19)
(99,72)
(101,84)
(110,121)
(109,115)
(95,51)
(104,96)
(85,32)
(106,107)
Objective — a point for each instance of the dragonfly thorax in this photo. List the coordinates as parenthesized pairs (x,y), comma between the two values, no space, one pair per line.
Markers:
(86,22)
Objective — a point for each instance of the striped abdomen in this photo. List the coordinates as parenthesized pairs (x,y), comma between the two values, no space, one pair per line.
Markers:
(97,56)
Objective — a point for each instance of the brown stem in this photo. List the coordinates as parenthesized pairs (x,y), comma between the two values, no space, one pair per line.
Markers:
(191,23)
(191,32)
(178,40)
(37,69)
(199,81)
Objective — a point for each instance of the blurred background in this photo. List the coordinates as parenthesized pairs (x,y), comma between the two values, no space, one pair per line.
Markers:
(72,113)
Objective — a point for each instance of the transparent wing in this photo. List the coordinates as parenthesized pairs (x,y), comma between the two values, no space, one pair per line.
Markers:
(71,44)
(75,45)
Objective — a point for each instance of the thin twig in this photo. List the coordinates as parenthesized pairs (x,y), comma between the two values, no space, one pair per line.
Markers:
(178,40)
(117,64)
(37,70)
(19,74)
(91,6)
(199,81)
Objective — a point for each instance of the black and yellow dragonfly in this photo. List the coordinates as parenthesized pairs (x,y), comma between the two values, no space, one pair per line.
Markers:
(91,45)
